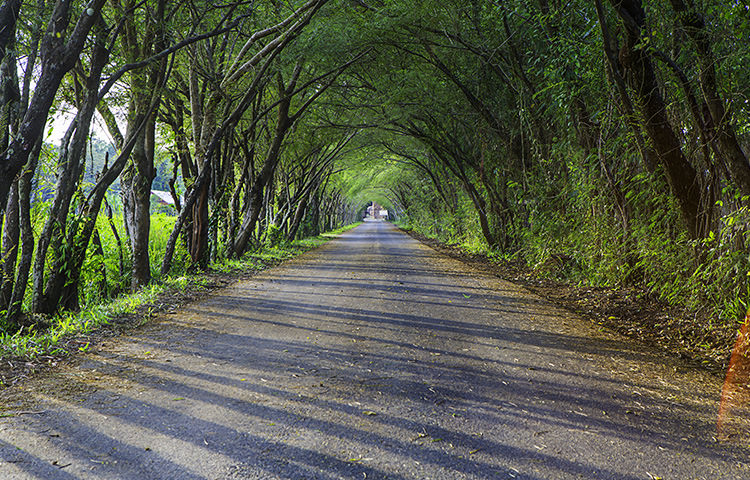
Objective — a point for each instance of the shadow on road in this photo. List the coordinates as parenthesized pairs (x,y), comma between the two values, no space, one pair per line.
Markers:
(401,366)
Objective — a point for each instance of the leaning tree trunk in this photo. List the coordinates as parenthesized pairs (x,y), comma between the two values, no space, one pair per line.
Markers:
(49,283)
(269,167)
(682,177)
(297,220)
(59,54)
(736,160)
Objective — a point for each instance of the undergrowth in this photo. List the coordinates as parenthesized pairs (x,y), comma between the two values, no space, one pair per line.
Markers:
(571,241)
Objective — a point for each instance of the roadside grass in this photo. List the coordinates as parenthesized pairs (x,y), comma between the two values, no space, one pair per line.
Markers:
(53,336)
(31,342)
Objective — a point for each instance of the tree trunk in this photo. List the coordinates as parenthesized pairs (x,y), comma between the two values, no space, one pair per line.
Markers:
(27,236)
(199,230)
(116,234)
(101,281)
(141,42)
(736,160)
(140,215)
(681,176)
(9,11)
(316,214)
(266,173)
(626,104)
(9,253)
(299,214)
(46,295)
(58,55)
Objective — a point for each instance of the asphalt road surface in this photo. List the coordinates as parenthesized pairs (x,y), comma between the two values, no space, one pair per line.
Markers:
(373,357)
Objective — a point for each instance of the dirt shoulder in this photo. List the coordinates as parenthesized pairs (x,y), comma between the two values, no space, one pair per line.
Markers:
(691,336)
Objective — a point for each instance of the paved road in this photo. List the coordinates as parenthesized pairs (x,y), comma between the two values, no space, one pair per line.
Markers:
(373,357)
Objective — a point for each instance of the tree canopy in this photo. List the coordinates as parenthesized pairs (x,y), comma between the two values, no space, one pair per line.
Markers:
(611,133)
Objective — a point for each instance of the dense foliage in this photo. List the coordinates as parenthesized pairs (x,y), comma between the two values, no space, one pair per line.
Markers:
(609,136)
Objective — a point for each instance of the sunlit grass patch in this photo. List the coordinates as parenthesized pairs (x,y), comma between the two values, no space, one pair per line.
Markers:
(31,342)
